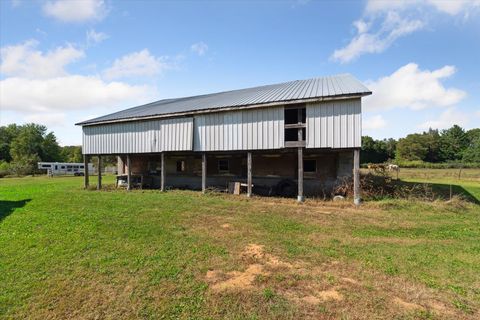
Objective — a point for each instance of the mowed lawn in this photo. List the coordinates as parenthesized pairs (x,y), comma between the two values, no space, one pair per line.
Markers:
(72,253)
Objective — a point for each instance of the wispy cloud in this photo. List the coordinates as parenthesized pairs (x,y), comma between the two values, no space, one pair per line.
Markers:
(446,119)
(75,10)
(140,63)
(367,41)
(94,37)
(199,48)
(384,22)
(374,122)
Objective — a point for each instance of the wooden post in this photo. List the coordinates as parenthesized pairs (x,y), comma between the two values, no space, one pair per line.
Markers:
(85,176)
(99,167)
(249,174)
(356,177)
(129,173)
(300,197)
(162,173)
(204,172)
(120,166)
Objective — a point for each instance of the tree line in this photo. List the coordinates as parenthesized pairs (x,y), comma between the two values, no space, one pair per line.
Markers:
(22,146)
(453,145)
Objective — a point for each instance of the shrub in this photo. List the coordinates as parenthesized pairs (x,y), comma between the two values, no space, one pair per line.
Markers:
(5,168)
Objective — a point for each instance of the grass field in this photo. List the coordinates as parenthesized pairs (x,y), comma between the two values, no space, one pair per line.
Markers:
(72,253)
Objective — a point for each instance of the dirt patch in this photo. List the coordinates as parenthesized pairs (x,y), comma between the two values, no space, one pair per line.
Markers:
(256,252)
(350,280)
(407,305)
(226,226)
(331,294)
(236,279)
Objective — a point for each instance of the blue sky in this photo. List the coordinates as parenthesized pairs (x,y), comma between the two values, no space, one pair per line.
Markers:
(66,61)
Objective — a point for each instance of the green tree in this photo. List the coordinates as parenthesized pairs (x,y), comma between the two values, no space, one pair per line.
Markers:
(454,141)
(51,151)
(72,154)
(412,147)
(7,134)
(472,152)
(432,140)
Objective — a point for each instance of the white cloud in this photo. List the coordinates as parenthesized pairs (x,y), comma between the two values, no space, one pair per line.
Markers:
(67,93)
(199,48)
(447,119)
(75,10)
(410,87)
(48,119)
(25,61)
(94,37)
(38,86)
(374,122)
(140,63)
(392,28)
(451,7)
(384,22)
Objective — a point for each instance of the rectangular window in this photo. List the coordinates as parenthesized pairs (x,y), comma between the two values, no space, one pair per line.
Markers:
(310,165)
(63,167)
(223,165)
(180,166)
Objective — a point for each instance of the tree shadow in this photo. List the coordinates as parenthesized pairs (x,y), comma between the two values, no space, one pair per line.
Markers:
(442,190)
(7,207)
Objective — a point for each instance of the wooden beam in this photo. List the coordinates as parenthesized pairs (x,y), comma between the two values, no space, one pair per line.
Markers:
(204,172)
(129,173)
(249,174)
(162,172)
(86,181)
(295,144)
(294,125)
(99,167)
(356,177)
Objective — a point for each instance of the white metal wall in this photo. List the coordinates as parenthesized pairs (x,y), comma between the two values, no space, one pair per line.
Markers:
(139,137)
(334,124)
(252,129)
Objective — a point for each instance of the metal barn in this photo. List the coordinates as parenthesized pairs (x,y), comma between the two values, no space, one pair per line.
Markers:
(295,138)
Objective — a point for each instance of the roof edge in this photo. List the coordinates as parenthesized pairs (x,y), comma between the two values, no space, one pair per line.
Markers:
(224,109)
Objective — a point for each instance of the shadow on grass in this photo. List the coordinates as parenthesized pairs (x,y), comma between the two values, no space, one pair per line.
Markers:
(7,207)
(442,191)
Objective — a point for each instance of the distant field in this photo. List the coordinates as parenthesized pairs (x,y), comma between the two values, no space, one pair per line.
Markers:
(72,253)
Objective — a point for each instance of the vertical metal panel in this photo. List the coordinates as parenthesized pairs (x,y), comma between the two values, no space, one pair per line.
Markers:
(139,137)
(334,124)
(253,129)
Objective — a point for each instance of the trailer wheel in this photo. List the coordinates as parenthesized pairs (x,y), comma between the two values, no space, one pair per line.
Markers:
(286,188)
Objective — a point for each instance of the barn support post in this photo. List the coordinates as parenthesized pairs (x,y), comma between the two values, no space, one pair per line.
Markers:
(204,172)
(300,197)
(120,165)
(86,182)
(99,168)
(356,177)
(129,173)
(249,174)
(162,171)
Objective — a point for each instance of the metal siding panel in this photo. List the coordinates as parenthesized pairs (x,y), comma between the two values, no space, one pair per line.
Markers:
(334,124)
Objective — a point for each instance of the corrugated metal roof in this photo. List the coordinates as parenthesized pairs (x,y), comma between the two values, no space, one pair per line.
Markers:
(332,86)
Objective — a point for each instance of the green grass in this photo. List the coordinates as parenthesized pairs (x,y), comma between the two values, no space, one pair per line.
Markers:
(72,253)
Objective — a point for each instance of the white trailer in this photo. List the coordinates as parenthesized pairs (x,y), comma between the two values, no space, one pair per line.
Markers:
(65,168)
